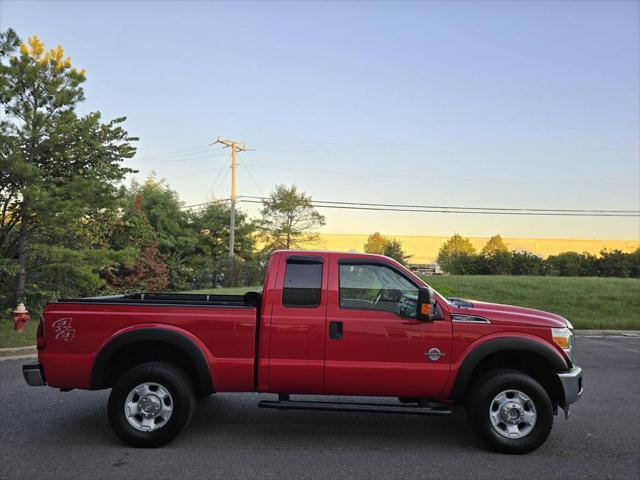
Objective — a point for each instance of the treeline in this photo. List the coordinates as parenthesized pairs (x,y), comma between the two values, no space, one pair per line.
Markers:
(147,241)
(458,256)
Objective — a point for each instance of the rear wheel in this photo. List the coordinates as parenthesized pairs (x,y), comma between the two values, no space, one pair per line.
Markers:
(151,404)
(510,411)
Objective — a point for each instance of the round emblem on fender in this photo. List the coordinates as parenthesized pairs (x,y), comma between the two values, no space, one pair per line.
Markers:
(434,354)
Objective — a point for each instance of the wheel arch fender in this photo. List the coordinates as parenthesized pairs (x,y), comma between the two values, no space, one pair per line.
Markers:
(502,344)
(155,334)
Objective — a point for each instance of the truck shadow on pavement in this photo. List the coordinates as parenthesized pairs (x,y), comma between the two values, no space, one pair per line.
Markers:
(237,419)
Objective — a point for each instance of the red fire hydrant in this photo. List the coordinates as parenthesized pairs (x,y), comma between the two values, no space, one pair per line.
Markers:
(20,317)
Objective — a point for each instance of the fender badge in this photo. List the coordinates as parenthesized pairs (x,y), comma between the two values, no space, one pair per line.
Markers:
(434,354)
(63,329)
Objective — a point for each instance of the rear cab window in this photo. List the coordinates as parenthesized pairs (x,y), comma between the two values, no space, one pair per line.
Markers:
(302,286)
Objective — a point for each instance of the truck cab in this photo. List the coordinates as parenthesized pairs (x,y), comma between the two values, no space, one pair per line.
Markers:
(324,324)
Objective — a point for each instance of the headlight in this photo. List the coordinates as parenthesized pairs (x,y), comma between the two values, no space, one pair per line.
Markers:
(563,337)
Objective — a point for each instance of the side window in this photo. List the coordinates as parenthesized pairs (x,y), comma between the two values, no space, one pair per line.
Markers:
(376,287)
(302,285)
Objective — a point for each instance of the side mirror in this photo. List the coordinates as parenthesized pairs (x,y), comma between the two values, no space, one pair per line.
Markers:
(426,305)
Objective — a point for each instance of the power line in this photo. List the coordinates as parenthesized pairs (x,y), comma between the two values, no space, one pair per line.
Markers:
(221,180)
(254,180)
(186,158)
(452,209)
(457,178)
(196,173)
(325,146)
(472,212)
(204,204)
(399,205)
(174,152)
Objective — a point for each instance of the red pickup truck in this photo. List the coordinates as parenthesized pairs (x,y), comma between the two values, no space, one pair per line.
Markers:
(325,323)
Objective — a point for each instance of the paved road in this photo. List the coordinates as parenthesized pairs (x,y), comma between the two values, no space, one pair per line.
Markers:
(48,434)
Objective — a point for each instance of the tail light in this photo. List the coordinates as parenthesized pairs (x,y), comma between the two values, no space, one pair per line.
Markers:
(40,336)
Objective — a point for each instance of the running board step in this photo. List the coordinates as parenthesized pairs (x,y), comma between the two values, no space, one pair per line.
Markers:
(352,407)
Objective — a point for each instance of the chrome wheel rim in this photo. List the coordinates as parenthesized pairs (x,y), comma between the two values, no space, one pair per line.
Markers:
(148,407)
(512,414)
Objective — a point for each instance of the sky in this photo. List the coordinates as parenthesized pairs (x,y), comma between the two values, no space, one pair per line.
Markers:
(489,104)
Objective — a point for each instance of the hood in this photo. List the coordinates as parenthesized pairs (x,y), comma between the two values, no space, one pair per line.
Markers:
(500,314)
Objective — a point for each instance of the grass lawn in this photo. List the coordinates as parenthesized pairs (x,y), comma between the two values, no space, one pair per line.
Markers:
(590,303)
(10,338)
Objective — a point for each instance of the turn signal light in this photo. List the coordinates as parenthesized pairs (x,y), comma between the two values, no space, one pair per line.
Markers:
(425,309)
(563,337)
(562,342)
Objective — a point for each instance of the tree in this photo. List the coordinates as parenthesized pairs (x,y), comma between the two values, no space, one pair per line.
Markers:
(456,246)
(495,257)
(58,169)
(526,263)
(376,243)
(146,269)
(147,273)
(495,245)
(567,264)
(212,225)
(390,247)
(393,249)
(634,258)
(288,219)
(175,236)
(615,263)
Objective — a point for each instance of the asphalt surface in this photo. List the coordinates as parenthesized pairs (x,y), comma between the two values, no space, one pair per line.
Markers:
(48,434)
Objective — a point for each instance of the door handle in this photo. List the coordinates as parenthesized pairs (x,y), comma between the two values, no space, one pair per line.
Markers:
(335,330)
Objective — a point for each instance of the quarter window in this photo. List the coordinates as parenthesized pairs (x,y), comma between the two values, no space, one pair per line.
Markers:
(302,285)
(377,287)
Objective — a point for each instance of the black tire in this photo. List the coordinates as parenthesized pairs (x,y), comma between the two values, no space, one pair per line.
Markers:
(478,403)
(183,400)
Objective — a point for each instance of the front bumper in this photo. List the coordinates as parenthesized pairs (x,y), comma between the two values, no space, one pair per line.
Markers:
(572,385)
(34,375)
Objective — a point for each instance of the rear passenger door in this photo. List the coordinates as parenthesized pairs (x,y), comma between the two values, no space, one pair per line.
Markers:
(297,327)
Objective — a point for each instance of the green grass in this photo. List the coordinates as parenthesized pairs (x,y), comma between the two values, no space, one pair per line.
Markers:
(11,338)
(590,303)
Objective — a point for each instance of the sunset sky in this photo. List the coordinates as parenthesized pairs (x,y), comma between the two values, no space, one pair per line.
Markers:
(506,104)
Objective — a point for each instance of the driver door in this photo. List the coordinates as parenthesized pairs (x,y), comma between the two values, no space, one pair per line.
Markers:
(374,344)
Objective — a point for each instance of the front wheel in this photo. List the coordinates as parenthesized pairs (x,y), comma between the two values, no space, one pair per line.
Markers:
(510,411)
(151,404)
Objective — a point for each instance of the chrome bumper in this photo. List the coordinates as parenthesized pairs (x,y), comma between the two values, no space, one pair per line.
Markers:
(572,385)
(33,375)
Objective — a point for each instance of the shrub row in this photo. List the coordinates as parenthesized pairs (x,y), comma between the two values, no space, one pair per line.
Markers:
(610,263)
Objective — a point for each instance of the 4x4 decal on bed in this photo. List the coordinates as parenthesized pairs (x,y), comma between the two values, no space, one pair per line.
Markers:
(63,329)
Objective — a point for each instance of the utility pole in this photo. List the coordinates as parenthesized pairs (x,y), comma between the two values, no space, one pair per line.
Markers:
(235,148)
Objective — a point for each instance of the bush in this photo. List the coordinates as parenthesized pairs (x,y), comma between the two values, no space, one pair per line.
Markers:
(613,263)
(525,263)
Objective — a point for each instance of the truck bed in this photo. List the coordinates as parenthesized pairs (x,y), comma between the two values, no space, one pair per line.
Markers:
(223,327)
